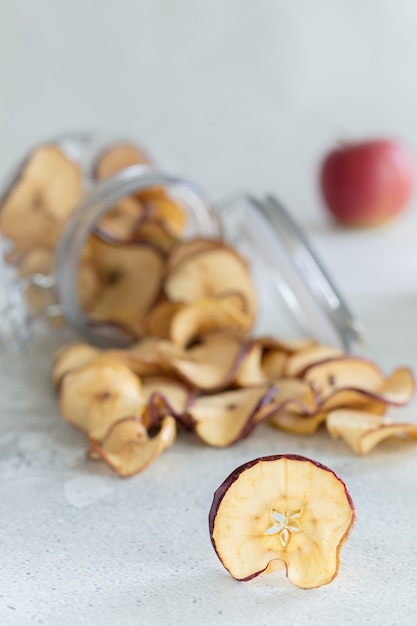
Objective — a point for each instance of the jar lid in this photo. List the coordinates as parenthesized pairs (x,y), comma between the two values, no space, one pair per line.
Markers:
(268,233)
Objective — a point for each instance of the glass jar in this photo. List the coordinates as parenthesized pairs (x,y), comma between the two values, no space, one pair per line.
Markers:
(295,293)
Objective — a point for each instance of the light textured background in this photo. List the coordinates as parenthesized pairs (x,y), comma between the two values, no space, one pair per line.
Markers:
(239,95)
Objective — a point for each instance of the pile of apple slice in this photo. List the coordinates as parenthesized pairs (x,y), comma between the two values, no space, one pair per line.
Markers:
(131,402)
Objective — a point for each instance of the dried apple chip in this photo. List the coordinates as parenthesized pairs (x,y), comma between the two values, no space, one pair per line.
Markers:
(132,277)
(210,273)
(41,198)
(95,396)
(297,423)
(209,315)
(210,365)
(120,224)
(164,396)
(170,213)
(186,249)
(282,511)
(159,319)
(299,361)
(223,419)
(344,372)
(127,447)
(72,357)
(362,431)
(291,394)
(117,157)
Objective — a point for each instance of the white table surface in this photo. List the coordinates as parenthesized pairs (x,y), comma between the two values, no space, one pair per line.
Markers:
(240,95)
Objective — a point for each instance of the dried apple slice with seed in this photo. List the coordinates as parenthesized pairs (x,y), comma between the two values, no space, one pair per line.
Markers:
(362,431)
(208,274)
(41,198)
(132,277)
(127,447)
(95,396)
(209,366)
(225,418)
(344,372)
(282,511)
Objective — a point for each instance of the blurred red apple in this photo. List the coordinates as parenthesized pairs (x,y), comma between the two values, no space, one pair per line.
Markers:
(367,183)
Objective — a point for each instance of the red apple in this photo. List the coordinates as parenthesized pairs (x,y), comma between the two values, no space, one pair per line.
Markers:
(367,183)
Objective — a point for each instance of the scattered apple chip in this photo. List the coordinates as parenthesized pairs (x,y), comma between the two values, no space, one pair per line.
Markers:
(223,419)
(362,431)
(281,512)
(95,396)
(209,366)
(291,394)
(127,447)
(250,370)
(41,198)
(341,373)
(209,274)
(117,157)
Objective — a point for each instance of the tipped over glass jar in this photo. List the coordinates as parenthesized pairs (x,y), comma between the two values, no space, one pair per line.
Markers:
(94,225)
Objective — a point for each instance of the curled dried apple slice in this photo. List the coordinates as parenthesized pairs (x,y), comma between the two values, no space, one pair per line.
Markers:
(298,362)
(131,275)
(282,511)
(291,394)
(209,366)
(209,315)
(118,156)
(127,447)
(210,273)
(95,396)
(223,419)
(250,370)
(362,431)
(158,321)
(344,372)
(297,423)
(189,248)
(41,198)
(71,357)
(164,396)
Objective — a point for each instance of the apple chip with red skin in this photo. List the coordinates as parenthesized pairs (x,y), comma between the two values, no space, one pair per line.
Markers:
(225,418)
(41,198)
(95,396)
(282,511)
(127,447)
(339,381)
(164,396)
(72,357)
(208,366)
(362,431)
